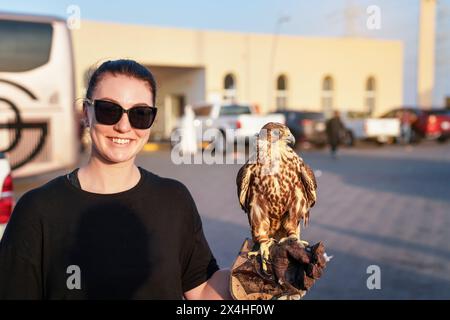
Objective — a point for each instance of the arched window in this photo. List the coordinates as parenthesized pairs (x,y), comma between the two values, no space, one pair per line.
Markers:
(370,95)
(229,86)
(281,92)
(327,95)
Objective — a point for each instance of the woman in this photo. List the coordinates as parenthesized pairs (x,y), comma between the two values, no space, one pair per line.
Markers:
(110,229)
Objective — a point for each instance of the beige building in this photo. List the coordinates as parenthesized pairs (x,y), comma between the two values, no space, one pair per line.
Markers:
(304,73)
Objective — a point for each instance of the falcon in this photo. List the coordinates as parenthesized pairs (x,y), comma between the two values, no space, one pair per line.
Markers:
(276,189)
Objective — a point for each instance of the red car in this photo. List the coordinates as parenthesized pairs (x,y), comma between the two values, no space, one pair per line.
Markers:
(425,124)
(6,193)
(436,124)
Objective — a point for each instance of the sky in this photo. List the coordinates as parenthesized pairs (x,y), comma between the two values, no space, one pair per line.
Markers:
(399,21)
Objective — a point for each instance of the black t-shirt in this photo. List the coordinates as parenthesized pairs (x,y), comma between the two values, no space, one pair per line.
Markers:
(65,243)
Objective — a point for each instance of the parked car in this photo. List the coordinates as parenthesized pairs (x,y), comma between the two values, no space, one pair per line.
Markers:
(433,124)
(438,121)
(6,193)
(308,127)
(236,122)
(360,126)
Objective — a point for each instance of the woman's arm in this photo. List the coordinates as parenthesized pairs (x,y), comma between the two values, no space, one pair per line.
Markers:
(216,288)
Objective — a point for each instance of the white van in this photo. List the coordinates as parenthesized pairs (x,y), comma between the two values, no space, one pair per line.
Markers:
(39,128)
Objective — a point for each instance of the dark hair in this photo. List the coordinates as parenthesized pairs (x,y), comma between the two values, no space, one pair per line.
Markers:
(125,67)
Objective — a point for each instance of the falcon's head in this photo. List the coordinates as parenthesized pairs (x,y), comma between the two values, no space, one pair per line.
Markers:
(277,132)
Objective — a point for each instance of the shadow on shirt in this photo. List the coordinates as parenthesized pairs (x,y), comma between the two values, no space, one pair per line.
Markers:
(112,250)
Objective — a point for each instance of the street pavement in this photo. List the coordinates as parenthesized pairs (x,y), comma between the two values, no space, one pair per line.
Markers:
(384,206)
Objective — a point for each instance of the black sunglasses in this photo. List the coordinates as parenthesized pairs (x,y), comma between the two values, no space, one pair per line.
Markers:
(109,113)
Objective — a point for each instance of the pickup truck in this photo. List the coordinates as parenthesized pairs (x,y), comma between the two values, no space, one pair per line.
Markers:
(361,127)
(236,122)
(430,124)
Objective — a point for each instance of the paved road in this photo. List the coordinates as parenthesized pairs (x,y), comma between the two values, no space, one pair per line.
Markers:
(387,206)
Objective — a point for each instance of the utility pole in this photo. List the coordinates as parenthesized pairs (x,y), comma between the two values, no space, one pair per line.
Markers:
(352,13)
(280,21)
(349,18)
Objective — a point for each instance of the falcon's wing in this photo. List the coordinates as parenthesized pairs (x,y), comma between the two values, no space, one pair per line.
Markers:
(309,182)
(243,180)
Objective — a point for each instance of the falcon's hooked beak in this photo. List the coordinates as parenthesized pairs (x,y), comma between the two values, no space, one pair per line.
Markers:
(290,140)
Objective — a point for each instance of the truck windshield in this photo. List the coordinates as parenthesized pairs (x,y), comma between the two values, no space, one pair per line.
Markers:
(357,115)
(439,112)
(203,111)
(312,115)
(234,109)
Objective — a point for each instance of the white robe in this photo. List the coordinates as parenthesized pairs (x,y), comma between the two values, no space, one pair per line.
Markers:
(188,134)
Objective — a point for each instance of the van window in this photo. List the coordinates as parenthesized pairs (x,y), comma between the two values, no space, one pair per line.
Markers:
(234,109)
(24,45)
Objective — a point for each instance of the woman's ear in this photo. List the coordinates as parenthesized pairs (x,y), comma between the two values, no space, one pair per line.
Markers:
(86,120)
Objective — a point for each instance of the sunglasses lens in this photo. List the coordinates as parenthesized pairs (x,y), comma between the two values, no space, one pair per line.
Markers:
(142,117)
(107,112)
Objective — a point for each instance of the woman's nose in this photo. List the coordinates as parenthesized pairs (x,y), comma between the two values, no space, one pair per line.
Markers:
(124,124)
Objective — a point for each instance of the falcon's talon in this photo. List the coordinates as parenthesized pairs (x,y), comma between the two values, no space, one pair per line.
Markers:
(291,237)
(264,259)
(294,237)
(303,243)
(264,251)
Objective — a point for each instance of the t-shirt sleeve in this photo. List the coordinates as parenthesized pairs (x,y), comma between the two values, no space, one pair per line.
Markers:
(200,262)
(20,253)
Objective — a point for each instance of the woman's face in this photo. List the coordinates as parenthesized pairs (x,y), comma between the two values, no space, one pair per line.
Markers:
(119,142)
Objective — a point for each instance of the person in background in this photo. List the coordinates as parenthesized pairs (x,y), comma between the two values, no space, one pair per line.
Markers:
(335,128)
(188,132)
(407,120)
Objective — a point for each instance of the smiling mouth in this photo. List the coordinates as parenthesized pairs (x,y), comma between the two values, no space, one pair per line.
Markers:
(120,141)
